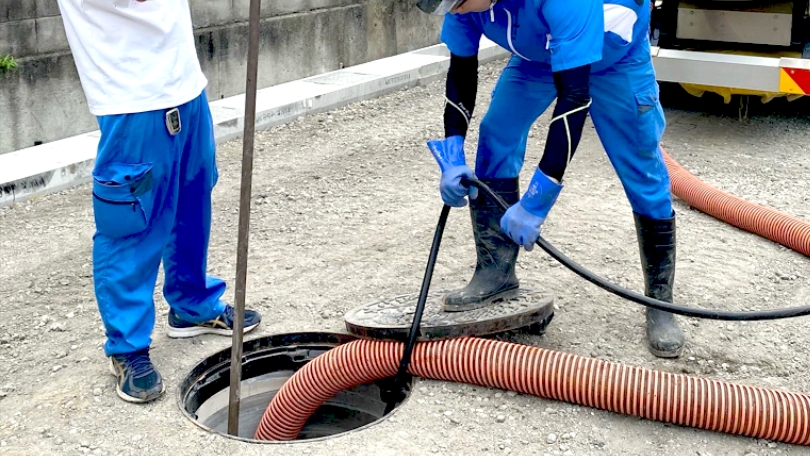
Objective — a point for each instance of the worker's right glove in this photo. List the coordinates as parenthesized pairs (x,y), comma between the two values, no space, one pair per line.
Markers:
(449,153)
(523,220)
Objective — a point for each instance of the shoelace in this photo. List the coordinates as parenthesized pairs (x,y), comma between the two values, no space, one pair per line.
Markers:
(139,364)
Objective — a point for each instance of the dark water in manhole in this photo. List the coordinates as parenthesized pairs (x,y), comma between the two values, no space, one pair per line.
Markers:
(267,363)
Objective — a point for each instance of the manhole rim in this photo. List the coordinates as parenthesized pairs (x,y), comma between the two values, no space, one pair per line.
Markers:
(180,393)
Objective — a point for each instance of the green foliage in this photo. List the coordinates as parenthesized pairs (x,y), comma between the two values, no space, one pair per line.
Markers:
(7,63)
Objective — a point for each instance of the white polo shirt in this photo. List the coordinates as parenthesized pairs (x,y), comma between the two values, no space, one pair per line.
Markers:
(133,56)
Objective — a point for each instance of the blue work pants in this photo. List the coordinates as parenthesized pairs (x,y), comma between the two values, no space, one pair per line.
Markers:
(152,203)
(625,111)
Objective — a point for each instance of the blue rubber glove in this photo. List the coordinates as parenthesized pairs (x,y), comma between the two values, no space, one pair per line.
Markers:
(449,153)
(522,221)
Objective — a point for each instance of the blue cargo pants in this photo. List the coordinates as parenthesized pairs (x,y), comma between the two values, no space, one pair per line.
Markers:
(152,203)
(625,111)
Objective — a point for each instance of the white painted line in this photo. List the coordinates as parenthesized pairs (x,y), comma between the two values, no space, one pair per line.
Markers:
(58,165)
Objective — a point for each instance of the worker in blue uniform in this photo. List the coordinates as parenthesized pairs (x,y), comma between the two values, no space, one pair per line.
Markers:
(592,57)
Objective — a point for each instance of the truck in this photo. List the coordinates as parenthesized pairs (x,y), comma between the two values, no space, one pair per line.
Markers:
(733,47)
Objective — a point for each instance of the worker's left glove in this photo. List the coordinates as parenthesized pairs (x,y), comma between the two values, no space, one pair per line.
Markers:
(449,153)
(523,220)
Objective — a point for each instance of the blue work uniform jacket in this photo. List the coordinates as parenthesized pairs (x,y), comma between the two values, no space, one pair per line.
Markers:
(564,34)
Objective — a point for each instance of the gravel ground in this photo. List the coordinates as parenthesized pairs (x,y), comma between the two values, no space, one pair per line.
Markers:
(344,208)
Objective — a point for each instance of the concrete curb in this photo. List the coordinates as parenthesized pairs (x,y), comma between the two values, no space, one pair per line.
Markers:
(59,165)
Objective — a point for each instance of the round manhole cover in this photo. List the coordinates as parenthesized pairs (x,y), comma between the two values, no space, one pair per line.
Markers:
(391,318)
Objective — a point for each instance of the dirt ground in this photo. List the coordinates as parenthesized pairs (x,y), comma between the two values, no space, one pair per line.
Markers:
(344,209)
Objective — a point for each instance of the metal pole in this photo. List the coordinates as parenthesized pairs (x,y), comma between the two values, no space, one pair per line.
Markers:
(244,216)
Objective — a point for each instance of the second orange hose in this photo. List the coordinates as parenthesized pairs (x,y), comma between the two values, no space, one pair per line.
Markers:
(764,221)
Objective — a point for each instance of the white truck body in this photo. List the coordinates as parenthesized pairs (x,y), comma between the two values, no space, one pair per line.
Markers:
(745,47)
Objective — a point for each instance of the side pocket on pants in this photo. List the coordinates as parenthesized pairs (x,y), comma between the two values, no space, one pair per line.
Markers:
(651,119)
(122,198)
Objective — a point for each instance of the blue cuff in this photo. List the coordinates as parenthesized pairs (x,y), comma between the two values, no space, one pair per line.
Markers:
(448,152)
(541,195)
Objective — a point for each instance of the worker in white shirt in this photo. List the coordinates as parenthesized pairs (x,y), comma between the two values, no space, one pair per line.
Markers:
(152,181)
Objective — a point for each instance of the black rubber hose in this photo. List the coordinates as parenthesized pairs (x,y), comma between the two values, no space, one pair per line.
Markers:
(754,315)
(398,393)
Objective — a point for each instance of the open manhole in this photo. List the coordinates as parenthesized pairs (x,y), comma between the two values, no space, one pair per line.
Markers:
(267,363)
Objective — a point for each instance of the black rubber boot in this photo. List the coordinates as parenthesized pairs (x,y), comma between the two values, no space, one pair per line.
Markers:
(494,278)
(656,241)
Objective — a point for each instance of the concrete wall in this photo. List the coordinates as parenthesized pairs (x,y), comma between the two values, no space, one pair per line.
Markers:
(42,100)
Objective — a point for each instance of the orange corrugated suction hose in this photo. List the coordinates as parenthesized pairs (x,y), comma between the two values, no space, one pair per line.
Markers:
(673,398)
(763,221)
